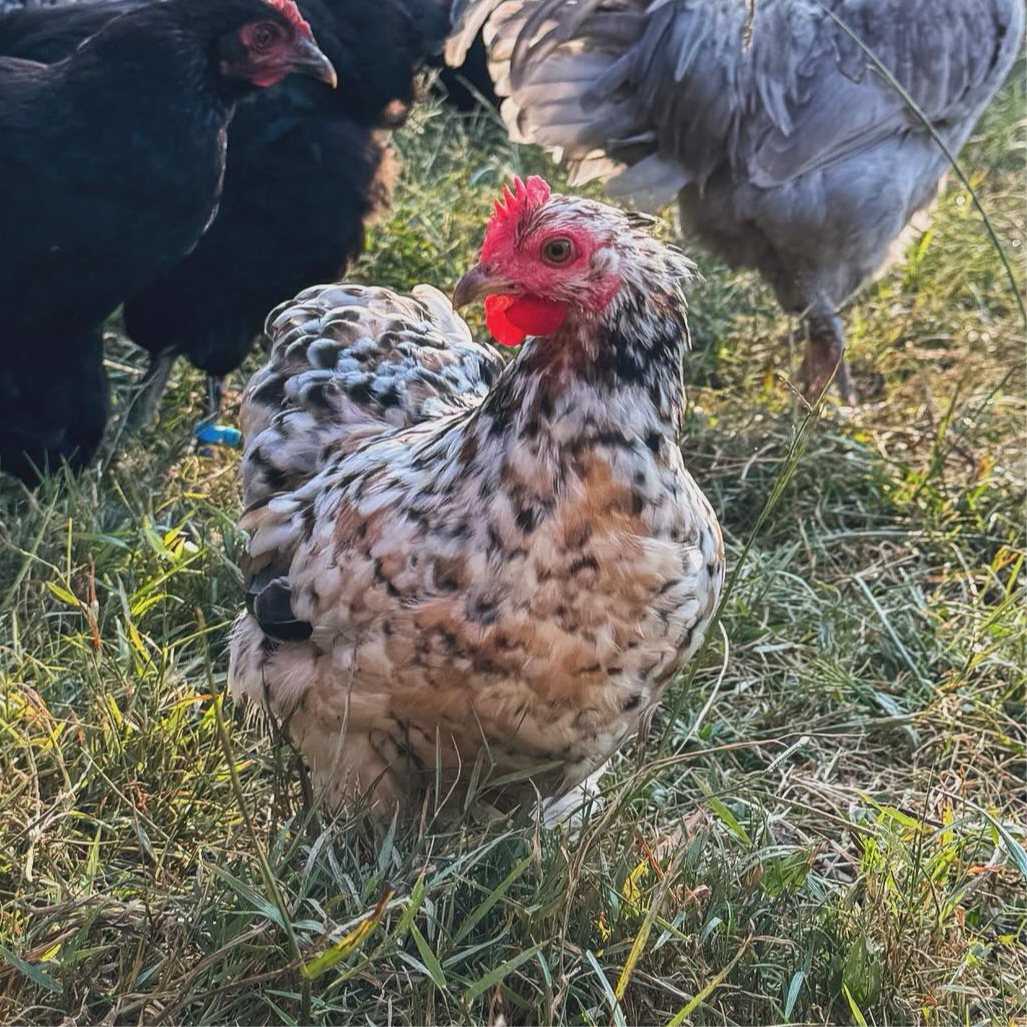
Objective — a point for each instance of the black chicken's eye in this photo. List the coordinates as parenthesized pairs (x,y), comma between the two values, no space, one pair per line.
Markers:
(262,38)
(557,251)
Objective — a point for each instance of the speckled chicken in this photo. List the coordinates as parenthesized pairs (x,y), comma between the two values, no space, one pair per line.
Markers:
(786,150)
(452,560)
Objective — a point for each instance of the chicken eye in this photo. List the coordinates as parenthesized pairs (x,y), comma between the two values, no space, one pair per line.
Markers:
(557,251)
(262,38)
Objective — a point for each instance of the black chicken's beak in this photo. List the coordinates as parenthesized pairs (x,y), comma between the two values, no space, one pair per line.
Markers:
(478,283)
(307,59)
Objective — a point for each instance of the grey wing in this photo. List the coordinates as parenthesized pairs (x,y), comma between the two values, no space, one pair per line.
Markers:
(466,20)
(666,91)
(349,363)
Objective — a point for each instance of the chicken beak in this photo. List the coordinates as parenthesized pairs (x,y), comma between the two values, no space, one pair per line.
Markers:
(307,59)
(476,284)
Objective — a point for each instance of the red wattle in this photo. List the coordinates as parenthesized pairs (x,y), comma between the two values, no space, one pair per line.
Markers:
(511,318)
(503,331)
(536,315)
(268,78)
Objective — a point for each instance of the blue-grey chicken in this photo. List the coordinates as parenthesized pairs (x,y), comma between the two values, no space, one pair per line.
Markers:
(787,151)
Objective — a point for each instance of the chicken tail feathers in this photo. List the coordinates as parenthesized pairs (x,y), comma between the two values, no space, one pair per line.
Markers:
(569,75)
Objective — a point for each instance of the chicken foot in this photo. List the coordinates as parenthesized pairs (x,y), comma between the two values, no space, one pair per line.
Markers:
(143,408)
(825,351)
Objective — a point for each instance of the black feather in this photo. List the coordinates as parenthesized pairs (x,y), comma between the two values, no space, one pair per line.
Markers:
(271,606)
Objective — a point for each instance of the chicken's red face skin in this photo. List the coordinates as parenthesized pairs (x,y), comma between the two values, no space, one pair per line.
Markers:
(264,52)
(536,276)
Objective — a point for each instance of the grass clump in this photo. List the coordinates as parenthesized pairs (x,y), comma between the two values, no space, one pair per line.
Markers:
(831,829)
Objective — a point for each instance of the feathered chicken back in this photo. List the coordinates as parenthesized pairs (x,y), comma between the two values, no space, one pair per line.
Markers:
(349,362)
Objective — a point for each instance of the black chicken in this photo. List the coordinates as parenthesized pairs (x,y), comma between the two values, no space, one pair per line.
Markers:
(306,170)
(111,164)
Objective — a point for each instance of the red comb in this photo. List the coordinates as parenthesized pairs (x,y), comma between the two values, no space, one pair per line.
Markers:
(525,196)
(502,229)
(292,12)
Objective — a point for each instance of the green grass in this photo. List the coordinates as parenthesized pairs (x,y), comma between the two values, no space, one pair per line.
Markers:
(827,823)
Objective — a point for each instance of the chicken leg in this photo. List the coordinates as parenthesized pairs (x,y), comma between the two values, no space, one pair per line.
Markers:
(143,408)
(215,396)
